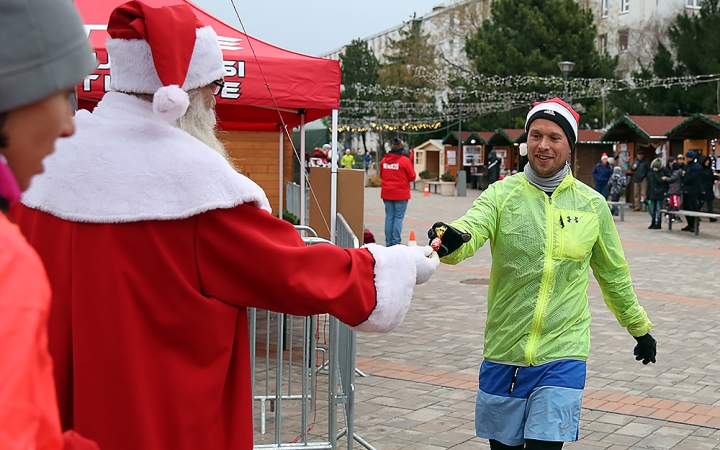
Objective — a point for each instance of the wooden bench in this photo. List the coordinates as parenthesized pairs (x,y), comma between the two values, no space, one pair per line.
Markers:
(682,212)
(622,206)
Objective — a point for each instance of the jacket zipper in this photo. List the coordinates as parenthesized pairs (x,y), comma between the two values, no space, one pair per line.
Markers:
(536,325)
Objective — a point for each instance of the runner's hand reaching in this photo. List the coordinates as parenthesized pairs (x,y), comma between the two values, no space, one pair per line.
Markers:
(445,239)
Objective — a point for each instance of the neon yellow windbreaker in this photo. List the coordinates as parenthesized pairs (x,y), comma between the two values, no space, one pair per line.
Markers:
(541,248)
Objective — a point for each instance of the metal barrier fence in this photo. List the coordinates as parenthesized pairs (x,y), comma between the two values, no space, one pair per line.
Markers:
(288,388)
(292,199)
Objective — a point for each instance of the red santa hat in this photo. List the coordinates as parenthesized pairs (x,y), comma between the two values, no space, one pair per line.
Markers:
(163,51)
(556,111)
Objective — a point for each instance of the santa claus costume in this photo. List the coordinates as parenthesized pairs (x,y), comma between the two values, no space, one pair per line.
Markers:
(155,248)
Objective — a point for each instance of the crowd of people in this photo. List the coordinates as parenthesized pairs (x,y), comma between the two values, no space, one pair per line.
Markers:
(322,157)
(683,182)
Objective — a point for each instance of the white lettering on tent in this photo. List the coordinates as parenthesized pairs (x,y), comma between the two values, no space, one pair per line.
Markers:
(234,68)
(387,166)
(231,90)
(229,43)
(102,65)
(87,80)
(90,28)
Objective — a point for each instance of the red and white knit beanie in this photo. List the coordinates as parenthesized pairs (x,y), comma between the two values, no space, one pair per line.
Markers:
(163,51)
(557,111)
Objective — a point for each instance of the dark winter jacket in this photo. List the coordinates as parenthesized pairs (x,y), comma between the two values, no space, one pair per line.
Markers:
(602,172)
(674,180)
(656,186)
(707,178)
(617,183)
(640,172)
(493,168)
(692,182)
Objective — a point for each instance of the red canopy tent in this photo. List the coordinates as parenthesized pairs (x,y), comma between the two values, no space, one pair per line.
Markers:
(297,82)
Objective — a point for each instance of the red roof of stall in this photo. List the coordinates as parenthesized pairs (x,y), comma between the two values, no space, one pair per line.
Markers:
(296,81)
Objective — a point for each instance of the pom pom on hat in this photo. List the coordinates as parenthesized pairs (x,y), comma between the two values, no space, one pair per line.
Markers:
(170,103)
(523,149)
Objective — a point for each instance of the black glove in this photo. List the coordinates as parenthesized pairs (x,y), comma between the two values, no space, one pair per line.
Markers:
(646,349)
(451,239)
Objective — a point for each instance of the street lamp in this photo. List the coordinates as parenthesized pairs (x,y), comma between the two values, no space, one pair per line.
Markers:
(397,104)
(566,67)
(461,90)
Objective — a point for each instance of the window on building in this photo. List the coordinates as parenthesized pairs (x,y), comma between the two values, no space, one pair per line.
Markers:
(602,44)
(625,6)
(472,155)
(604,8)
(623,36)
(419,158)
(694,3)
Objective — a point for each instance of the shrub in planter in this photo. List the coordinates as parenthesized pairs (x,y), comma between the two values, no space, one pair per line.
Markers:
(425,175)
(447,176)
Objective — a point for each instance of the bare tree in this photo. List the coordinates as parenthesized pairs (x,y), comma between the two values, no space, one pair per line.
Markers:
(642,41)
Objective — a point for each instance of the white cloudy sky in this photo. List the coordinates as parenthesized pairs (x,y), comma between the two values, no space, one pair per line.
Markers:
(313,27)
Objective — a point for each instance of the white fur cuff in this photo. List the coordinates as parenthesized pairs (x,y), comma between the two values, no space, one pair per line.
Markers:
(395,274)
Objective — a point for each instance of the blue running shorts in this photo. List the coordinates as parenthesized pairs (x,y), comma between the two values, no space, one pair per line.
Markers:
(539,402)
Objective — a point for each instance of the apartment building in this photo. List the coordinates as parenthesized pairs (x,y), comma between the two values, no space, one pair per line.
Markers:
(628,28)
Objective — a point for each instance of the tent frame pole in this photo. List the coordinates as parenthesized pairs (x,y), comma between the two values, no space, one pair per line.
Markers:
(334,179)
(281,183)
(303,180)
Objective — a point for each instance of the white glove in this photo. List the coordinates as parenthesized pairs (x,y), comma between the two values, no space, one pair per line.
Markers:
(426,261)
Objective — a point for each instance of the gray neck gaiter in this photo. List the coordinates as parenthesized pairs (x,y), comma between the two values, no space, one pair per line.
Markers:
(547,185)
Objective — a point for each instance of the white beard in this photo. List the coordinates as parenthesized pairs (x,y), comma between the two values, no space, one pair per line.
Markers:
(200,122)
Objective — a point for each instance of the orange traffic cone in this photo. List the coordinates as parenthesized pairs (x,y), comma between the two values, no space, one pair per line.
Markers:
(411,240)
(426,192)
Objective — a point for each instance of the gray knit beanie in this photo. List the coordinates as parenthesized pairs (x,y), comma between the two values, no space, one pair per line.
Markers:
(44,50)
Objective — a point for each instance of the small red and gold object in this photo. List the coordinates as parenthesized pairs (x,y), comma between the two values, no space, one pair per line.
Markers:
(439,231)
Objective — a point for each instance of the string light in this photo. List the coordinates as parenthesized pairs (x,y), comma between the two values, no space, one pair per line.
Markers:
(406,127)
(441,109)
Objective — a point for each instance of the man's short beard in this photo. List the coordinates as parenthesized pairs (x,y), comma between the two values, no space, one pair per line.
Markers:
(200,122)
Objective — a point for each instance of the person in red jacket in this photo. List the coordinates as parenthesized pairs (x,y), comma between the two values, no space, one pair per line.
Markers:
(396,173)
(45,55)
(155,247)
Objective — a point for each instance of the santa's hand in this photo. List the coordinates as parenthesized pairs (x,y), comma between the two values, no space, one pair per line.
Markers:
(445,239)
(426,261)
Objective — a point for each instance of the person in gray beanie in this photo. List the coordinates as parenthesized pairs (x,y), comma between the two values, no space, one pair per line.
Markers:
(44,55)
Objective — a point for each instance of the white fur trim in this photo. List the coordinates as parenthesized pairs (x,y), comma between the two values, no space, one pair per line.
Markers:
(170,103)
(125,165)
(558,108)
(132,68)
(523,149)
(395,274)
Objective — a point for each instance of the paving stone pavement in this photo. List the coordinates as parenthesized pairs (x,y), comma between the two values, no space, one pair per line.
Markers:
(422,377)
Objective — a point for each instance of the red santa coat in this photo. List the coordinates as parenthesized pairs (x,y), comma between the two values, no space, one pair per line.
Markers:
(154,248)
(396,173)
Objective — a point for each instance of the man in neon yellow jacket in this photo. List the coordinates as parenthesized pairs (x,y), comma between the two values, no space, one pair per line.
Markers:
(545,230)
